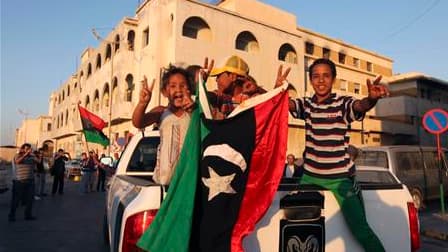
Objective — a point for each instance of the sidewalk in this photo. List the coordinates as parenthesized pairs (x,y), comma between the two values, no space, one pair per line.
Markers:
(432,223)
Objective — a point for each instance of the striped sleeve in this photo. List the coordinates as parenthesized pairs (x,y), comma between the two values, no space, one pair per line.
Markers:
(350,114)
(299,109)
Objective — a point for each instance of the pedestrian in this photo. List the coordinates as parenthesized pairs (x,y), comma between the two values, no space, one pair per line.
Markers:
(40,174)
(291,168)
(101,178)
(87,169)
(227,74)
(327,163)
(173,120)
(23,182)
(58,171)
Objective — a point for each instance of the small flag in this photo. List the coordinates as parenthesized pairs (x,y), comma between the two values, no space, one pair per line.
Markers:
(92,126)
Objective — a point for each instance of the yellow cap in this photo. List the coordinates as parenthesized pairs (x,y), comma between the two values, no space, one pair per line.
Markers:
(234,64)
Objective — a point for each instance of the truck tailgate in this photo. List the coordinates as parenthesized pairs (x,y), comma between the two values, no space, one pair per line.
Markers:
(387,216)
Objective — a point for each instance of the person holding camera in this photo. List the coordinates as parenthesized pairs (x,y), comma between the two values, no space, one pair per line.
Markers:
(58,170)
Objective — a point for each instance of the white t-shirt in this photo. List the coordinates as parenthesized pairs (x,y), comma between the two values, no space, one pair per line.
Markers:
(172,134)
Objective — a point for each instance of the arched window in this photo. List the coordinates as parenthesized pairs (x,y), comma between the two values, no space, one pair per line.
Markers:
(75,86)
(96,101)
(129,87)
(57,123)
(197,28)
(63,95)
(62,119)
(98,61)
(131,39)
(108,52)
(246,41)
(115,90)
(105,97)
(66,117)
(68,90)
(287,53)
(89,70)
(87,103)
(117,42)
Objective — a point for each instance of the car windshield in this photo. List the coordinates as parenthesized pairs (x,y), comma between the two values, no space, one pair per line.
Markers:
(372,158)
(375,177)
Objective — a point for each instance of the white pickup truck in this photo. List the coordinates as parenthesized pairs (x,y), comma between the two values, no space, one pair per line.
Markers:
(301,218)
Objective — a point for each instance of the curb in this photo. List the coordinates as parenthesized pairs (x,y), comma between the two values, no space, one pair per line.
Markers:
(432,233)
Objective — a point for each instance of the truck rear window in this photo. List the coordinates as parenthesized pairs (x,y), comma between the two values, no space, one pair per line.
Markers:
(144,157)
(372,158)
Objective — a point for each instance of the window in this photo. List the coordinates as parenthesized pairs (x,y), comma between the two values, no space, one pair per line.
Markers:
(309,48)
(106,96)
(131,39)
(96,101)
(372,158)
(115,90)
(196,28)
(89,70)
(145,37)
(408,161)
(341,58)
(357,88)
(129,87)
(98,61)
(287,54)
(66,117)
(369,66)
(355,62)
(63,95)
(87,104)
(325,53)
(246,41)
(117,42)
(68,90)
(48,127)
(143,158)
(343,85)
(108,52)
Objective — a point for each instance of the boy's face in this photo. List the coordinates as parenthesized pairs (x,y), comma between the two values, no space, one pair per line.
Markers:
(225,82)
(176,90)
(249,87)
(322,81)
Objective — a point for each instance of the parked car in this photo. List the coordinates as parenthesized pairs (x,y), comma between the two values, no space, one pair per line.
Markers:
(4,179)
(73,168)
(297,213)
(415,166)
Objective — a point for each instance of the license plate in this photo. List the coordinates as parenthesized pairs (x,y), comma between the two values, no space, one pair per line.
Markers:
(302,236)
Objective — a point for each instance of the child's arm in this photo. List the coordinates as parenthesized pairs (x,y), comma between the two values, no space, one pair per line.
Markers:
(139,118)
(376,91)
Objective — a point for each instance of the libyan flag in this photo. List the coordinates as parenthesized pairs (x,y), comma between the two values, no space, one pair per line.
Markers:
(225,179)
(92,126)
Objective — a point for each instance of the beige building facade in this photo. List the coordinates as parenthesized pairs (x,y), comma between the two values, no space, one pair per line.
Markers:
(184,32)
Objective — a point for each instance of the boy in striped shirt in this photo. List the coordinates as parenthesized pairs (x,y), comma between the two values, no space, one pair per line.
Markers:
(326,160)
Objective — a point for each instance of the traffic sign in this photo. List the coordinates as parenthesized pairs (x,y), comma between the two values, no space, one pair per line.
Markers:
(435,121)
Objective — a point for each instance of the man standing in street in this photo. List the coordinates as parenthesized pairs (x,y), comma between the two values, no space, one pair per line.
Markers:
(58,171)
(23,182)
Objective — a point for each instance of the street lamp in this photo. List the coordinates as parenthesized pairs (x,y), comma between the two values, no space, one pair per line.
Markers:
(99,38)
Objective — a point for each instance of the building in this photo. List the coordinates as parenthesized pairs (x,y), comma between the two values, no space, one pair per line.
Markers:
(184,32)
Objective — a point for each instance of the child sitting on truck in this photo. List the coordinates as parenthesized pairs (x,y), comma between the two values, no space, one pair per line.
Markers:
(173,120)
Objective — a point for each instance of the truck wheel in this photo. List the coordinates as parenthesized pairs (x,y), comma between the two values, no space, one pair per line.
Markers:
(417,198)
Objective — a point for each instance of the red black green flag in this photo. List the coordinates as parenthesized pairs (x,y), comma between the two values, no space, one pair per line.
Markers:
(92,126)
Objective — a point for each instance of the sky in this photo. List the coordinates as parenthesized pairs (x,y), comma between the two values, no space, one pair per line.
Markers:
(42,40)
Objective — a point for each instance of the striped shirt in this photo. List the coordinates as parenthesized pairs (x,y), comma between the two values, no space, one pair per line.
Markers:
(25,169)
(326,134)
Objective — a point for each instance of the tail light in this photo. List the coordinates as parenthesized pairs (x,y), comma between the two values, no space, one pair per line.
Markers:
(134,228)
(414,227)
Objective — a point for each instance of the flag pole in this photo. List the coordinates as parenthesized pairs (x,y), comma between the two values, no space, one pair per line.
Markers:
(85,139)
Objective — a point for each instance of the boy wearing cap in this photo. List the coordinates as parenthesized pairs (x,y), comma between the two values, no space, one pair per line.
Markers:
(227,74)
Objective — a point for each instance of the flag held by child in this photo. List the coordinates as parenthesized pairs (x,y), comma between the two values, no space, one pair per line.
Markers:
(92,126)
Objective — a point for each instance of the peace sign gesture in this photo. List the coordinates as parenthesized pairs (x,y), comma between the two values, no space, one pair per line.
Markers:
(146,92)
(377,90)
(207,68)
(281,76)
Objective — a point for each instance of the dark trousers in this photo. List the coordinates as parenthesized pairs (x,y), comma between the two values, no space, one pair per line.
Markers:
(101,179)
(58,183)
(22,191)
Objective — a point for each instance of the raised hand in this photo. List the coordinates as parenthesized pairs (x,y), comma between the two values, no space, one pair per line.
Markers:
(281,76)
(377,90)
(146,91)
(207,68)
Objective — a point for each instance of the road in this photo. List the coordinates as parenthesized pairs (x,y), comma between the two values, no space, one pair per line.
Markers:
(73,222)
(65,223)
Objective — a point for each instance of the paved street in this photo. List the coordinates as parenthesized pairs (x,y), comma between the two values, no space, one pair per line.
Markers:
(71,222)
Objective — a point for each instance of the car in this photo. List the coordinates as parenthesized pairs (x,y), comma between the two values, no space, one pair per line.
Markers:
(73,168)
(296,213)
